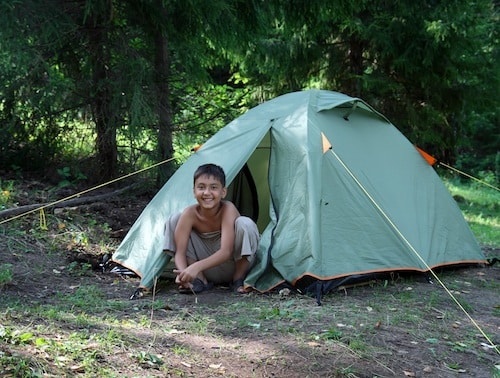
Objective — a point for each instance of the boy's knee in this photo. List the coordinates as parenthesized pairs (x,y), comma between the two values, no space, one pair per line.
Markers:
(245,223)
(173,219)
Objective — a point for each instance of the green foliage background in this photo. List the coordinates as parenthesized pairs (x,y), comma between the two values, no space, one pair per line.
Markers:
(119,85)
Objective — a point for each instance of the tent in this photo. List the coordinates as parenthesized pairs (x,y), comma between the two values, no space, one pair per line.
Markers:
(336,190)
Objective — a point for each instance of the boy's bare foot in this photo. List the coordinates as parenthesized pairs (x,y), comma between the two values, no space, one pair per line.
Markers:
(196,287)
(239,287)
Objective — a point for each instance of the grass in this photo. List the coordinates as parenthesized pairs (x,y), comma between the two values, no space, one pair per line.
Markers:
(481,208)
(76,335)
(5,274)
(84,333)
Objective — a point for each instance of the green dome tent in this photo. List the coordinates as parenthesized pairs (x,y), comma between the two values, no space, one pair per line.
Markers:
(336,190)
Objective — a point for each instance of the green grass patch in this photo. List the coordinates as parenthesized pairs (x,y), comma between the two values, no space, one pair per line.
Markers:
(82,331)
(6,274)
(481,208)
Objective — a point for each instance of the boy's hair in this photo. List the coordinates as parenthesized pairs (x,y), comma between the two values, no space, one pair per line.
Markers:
(210,170)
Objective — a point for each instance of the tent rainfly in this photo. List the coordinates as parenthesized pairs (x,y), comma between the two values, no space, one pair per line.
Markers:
(337,191)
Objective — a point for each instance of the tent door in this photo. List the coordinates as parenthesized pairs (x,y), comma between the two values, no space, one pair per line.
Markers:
(243,193)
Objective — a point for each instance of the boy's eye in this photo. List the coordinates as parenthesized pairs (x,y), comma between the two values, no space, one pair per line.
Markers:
(211,187)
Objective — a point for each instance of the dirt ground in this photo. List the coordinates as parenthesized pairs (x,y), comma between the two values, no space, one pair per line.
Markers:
(440,346)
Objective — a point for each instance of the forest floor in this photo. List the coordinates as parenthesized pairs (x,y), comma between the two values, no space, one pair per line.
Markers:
(82,323)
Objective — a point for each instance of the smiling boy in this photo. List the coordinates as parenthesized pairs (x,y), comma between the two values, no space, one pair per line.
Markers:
(212,242)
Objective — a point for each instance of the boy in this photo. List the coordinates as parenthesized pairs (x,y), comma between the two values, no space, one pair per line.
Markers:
(212,242)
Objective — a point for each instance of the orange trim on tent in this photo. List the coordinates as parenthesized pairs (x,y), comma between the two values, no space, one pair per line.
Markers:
(371,271)
(429,158)
(326,143)
(389,270)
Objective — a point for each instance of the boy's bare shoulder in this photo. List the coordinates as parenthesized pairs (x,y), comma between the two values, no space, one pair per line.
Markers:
(228,204)
(190,208)
(189,211)
(230,208)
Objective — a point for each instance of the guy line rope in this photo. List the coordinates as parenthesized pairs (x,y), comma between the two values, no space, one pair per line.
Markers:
(492,345)
(41,208)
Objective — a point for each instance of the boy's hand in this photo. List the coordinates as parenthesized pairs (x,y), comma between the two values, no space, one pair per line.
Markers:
(187,275)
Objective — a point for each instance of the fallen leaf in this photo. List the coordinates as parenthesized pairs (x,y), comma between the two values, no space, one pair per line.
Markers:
(485,346)
(409,373)
(185,364)
(284,292)
(93,345)
(174,331)
(78,368)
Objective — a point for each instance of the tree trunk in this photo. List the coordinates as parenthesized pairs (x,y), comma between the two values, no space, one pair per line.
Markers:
(356,64)
(164,109)
(106,137)
(104,113)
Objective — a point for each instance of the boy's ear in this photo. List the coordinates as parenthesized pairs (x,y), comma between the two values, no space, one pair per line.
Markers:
(224,192)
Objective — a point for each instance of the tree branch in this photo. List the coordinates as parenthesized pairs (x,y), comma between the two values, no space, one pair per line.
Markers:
(70,202)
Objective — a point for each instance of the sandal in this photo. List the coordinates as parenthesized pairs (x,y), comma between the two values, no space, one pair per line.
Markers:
(197,286)
(239,286)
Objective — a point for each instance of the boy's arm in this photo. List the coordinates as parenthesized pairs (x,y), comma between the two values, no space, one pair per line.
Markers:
(181,237)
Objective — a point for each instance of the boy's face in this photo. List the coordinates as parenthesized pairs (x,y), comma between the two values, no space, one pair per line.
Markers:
(208,191)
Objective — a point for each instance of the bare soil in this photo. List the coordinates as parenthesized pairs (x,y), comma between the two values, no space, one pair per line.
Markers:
(363,331)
